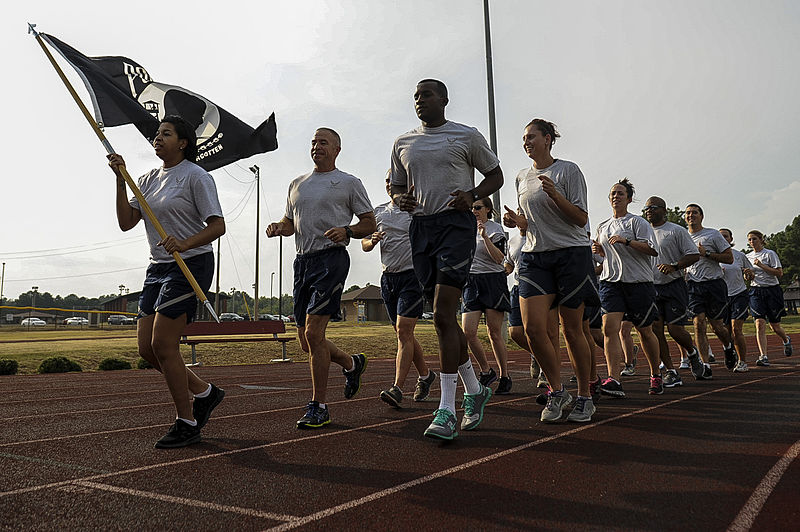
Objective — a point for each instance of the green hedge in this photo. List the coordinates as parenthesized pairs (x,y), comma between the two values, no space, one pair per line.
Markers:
(108,364)
(8,366)
(144,364)
(58,365)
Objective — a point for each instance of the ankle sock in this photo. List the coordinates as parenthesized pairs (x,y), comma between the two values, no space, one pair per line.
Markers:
(467,374)
(204,394)
(447,400)
(191,422)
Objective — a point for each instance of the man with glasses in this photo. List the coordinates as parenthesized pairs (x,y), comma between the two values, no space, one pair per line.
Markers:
(676,251)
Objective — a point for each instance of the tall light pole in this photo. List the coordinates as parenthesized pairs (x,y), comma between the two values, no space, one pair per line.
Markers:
(271,278)
(233,299)
(33,305)
(2,281)
(256,171)
(490,89)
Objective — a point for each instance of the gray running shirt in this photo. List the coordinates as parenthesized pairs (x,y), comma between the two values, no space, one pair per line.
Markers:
(706,269)
(547,227)
(673,243)
(483,262)
(321,200)
(438,161)
(182,198)
(514,254)
(623,263)
(396,244)
(770,258)
(733,273)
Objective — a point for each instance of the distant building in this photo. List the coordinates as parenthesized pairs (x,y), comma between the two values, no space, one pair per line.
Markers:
(370,298)
(791,296)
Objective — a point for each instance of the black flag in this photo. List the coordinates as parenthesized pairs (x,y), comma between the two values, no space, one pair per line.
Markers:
(122,92)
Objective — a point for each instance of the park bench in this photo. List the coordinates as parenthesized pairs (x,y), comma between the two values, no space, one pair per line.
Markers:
(235,331)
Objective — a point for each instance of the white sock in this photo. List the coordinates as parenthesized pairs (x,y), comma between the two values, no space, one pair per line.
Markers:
(447,400)
(204,394)
(426,377)
(323,405)
(191,422)
(788,341)
(467,374)
(728,346)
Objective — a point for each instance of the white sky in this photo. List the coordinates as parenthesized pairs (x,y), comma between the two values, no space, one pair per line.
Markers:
(694,101)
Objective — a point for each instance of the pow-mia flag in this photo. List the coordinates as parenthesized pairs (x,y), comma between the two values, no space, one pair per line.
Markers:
(122,92)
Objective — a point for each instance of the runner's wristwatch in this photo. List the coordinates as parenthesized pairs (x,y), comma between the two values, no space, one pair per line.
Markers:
(348,231)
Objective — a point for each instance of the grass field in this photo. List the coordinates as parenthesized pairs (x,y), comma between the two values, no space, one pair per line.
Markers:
(88,347)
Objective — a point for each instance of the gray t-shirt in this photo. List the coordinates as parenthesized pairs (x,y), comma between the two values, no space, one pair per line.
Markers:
(396,244)
(514,254)
(769,258)
(548,229)
(483,261)
(733,273)
(320,200)
(706,269)
(673,243)
(438,161)
(182,198)
(623,263)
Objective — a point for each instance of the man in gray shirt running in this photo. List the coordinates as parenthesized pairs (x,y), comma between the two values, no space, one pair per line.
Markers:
(319,209)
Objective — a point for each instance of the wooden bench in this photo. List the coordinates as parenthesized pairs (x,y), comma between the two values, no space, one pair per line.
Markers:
(235,331)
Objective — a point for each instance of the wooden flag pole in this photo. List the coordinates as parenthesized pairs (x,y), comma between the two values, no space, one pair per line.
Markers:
(131,183)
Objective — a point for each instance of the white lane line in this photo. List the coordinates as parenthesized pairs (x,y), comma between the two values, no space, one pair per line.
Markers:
(747,516)
(250,512)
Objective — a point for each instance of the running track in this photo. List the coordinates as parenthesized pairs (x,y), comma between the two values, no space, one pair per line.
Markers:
(76,453)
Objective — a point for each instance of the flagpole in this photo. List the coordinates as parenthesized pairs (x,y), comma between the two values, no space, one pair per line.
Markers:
(490,96)
(131,184)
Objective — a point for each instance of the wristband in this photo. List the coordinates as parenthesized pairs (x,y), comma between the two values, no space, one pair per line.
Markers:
(348,231)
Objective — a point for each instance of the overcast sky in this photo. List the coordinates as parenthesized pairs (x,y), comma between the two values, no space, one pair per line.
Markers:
(694,101)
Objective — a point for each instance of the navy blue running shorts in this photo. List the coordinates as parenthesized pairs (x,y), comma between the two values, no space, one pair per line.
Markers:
(319,279)
(672,300)
(486,291)
(565,272)
(766,303)
(594,315)
(709,298)
(636,300)
(515,314)
(442,247)
(167,291)
(402,294)
(738,306)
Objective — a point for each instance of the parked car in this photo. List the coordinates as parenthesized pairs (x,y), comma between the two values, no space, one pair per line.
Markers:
(269,317)
(427,315)
(116,319)
(230,316)
(76,320)
(33,322)
(128,320)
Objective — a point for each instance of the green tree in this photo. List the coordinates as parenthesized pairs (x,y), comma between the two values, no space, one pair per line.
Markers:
(674,215)
(786,244)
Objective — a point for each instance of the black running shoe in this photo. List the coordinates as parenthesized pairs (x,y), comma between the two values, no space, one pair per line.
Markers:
(352,381)
(487,378)
(612,387)
(393,396)
(315,417)
(203,406)
(696,365)
(180,434)
(504,386)
(730,357)
(707,376)
(423,387)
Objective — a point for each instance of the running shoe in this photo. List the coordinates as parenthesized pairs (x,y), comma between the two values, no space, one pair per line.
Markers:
(787,347)
(542,381)
(203,406)
(628,370)
(556,401)
(574,378)
(582,411)
(741,367)
(443,425)
(612,387)
(487,378)
(763,360)
(711,358)
(696,365)
(504,386)
(393,396)
(535,369)
(672,379)
(541,399)
(707,375)
(473,408)
(315,416)
(656,385)
(684,363)
(352,382)
(730,357)
(180,434)
(424,387)
(594,390)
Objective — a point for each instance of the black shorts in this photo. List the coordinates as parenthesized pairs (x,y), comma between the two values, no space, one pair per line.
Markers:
(402,294)
(486,291)
(672,300)
(566,272)
(167,291)
(442,247)
(515,314)
(738,306)
(319,279)
(709,298)
(766,303)
(636,300)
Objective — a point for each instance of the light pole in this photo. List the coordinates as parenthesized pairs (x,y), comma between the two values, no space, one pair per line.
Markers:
(121,289)
(271,278)
(33,305)
(2,280)
(255,170)
(233,299)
